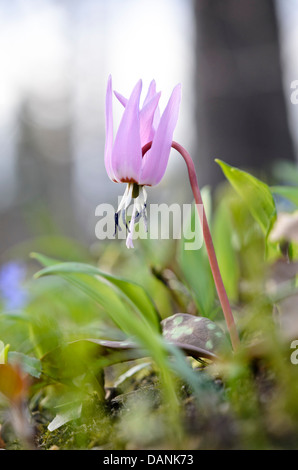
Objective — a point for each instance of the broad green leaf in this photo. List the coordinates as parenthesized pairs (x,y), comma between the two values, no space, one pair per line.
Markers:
(132,292)
(133,324)
(255,194)
(195,265)
(289,192)
(258,199)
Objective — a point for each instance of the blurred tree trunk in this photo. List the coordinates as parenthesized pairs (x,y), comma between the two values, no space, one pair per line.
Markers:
(43,203)
(241,112)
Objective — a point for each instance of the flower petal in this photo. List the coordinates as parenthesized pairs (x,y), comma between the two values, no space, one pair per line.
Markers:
(121,98)
(156,118)
(155,161)
(127,150)
(109,131)
(146,120)
(151,92)
(149,113)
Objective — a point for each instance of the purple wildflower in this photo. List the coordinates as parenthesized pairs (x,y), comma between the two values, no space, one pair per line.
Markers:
(14,296)
(123,156)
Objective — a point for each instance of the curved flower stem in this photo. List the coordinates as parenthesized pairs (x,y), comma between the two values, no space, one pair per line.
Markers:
(223,298)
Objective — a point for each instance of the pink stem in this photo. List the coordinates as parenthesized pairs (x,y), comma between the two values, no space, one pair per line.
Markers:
(223,298)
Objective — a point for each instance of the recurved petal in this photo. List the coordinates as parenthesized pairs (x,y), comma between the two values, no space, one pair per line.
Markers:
(149,114)
(151,92)
(127,151)
(109,131)
(121,98)
(146,119)
(150,95)
(155,161)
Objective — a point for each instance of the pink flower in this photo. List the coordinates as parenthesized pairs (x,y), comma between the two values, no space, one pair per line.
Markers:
(123,156)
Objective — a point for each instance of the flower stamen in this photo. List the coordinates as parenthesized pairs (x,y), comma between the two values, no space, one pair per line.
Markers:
(139,195)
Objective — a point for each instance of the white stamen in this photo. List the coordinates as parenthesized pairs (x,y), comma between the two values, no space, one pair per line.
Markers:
(129,242)
(126,199)
(139,210)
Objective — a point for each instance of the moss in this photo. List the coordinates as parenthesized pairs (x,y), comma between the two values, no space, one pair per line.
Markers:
(96,432)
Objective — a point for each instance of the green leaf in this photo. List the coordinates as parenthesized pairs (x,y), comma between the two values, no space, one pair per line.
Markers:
(133,324)
(29,364)
(225,251)
(255,194)
(195,265)
(4,352)
(85,358)
(258,199)
(131,291)
(289,192)
(69,413)
(286,171)
(136,325)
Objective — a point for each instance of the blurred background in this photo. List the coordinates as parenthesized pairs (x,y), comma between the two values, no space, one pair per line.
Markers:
(235,59)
